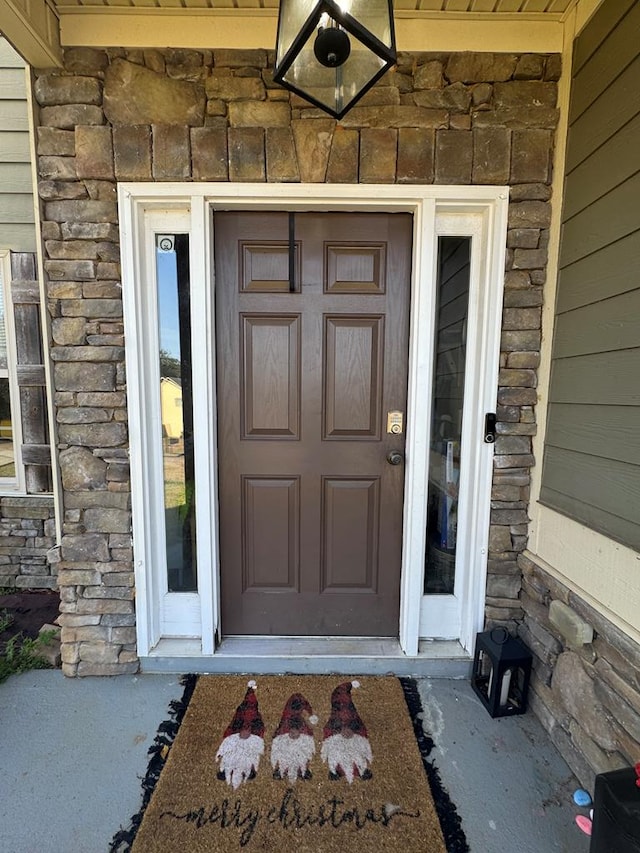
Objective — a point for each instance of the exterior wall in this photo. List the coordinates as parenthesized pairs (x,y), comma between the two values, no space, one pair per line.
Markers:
(27,532)
(27,524)
(588,695)
(591,288)
(180,115)
(171,408)
(591,469)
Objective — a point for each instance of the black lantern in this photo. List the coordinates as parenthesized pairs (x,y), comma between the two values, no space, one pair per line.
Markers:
(501,672)
(331,52)
(616,812)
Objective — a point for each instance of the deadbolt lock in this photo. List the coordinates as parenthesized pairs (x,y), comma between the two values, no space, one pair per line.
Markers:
(394,423)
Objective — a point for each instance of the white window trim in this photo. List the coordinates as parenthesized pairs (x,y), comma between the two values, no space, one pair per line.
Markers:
(15,484)
(457,616)
(424,203)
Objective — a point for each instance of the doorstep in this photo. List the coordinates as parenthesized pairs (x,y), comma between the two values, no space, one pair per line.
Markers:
(311,655)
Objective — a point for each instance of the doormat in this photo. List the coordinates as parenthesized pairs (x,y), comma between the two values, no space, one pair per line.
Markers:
(319,764)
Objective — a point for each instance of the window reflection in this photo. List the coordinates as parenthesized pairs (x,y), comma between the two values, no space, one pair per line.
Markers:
(7,456)
(176,406)
(446,413)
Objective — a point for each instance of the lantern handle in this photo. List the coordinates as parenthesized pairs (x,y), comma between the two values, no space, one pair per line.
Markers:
(502,632)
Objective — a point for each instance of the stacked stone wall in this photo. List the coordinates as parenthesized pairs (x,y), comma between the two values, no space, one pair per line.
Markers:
(27,534)
(187,115)
(587,696)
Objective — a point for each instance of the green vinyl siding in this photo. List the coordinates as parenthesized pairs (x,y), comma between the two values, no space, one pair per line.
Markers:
(17,229)
(606,115)
(12,84)
(17,209)
(13,115)
(601,483)
(606,379)
(611,164)
(600,275)
(14,177)
(612,216)
(594,517)
(603,431)
(15,147)
(591,467)
(618,49)
(452,320)
(590,39)
(613,324)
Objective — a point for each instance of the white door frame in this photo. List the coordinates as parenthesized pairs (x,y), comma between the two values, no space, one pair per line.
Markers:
(459,615)
(436,210)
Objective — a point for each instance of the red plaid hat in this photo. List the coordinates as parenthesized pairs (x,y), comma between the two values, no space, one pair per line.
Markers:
(247,716)
(343,712)
(296,716)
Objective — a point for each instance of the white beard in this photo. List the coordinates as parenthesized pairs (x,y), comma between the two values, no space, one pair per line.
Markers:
(238,757)
(291,756)
(347,755)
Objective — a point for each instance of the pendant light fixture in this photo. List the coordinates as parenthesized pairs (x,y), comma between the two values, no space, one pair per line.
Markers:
(331,52)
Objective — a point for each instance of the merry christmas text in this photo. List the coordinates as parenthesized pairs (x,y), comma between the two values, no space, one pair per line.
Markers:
(333,813)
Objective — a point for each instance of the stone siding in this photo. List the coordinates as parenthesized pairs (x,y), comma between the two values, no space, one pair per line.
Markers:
(181,115)
(27,533)
(588,696)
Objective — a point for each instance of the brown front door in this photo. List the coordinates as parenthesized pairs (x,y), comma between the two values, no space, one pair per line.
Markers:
(312,349)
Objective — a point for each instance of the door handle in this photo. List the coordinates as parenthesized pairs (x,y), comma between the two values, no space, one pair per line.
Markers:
(394,457)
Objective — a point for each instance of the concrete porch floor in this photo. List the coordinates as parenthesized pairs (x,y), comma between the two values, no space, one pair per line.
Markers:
(73,751)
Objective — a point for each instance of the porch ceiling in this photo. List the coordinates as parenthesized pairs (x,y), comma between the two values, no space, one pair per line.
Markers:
(519,7)
(40,29)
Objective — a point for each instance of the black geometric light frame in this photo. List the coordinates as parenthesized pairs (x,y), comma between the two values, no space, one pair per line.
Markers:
(330,52)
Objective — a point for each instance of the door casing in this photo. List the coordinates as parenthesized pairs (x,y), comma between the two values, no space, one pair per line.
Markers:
(480,212)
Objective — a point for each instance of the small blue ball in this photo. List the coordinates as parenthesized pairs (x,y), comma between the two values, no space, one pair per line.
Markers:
(582,798)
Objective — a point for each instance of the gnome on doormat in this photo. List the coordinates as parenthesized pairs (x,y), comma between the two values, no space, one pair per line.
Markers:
(293,746)
(242,742)
(346,747)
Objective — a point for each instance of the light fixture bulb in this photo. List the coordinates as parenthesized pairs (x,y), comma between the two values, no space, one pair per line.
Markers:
(331,47)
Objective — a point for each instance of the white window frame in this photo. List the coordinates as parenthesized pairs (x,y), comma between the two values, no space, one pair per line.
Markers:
(163,613)
(138,205)
(11,485)
(460,614)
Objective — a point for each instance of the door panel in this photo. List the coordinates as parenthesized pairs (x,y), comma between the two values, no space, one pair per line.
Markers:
(355,269)
(350,523)
(270,513)
(270,377)
(310,510)
(353,375)
(265,266)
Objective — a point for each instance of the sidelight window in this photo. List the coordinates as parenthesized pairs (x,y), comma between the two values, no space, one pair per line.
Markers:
(176,408)
(454,254)
(10,463)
